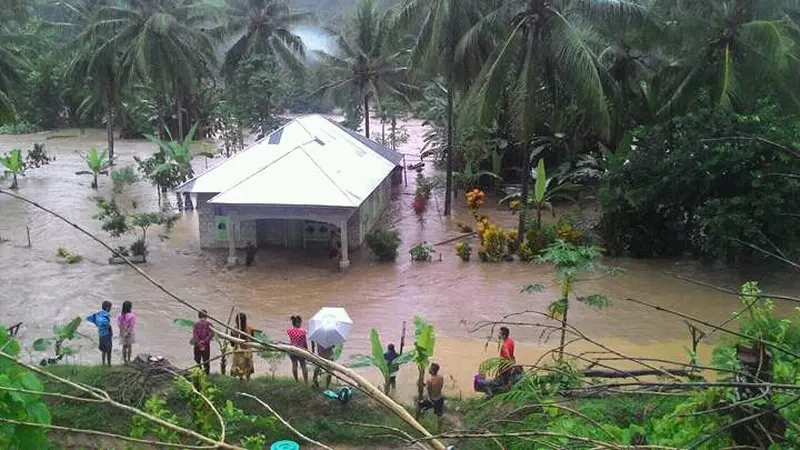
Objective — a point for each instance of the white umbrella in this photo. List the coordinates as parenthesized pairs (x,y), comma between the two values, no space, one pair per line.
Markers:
(329,327)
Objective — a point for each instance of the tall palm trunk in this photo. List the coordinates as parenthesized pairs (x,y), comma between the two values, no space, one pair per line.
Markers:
(366,115)
(162,122)
(448,190)
(528,120)
(110,106)
(179,107)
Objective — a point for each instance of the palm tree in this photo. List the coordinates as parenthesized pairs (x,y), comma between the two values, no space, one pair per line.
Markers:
(10,60)
(733,48)
(171,44)
(263,27)
(547,53)
(368,66)
(448,43)
(96,65)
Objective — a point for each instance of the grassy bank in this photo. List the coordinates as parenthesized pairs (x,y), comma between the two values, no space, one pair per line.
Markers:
(304,407)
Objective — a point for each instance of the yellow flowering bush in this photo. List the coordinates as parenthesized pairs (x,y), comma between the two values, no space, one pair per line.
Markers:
(464,250)
(495,243)
(567,232)
(475,198)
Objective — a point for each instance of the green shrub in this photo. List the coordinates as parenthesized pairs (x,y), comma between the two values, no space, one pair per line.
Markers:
(139,248)
(701,183)
(383,244)
(422,252)
(20,127)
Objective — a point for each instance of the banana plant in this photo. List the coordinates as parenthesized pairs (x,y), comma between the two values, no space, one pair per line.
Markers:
(14,165)
(425,340)
(545,191)
(62,334)
(376,360)
(98,164)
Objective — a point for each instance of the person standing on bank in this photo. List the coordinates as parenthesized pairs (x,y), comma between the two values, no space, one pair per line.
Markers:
(324,353)
(507,353)
(126,322)
(201,341)
(243,355)
(102,320)
(435,399)
(390,356)
(297,337)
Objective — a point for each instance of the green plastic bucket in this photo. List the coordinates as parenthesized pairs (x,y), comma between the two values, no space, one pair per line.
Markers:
(285,445)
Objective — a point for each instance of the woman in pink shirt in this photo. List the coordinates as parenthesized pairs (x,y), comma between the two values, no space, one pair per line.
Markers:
(126,322)
(297,337)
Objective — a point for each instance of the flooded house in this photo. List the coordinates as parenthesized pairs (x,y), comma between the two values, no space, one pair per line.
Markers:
(312,183)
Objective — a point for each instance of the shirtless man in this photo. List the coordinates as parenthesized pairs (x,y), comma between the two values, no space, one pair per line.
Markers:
(435,398)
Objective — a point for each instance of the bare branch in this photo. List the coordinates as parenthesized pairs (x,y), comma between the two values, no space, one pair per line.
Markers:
(284,422)
(104,434)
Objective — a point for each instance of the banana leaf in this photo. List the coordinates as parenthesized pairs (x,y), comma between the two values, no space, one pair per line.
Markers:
(184,323)
(43,344)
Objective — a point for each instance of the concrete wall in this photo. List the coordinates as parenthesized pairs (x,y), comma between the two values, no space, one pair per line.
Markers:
(372,209)
(245,232)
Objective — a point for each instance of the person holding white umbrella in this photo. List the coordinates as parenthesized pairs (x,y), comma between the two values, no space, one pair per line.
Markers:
(329,327)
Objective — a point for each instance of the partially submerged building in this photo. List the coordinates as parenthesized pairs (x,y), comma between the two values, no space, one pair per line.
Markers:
(311,181)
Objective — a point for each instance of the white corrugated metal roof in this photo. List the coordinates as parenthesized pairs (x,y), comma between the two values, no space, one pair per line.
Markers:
(311,161)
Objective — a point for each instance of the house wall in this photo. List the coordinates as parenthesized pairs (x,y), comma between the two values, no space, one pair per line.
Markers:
(360,223)
(246,231)
(371,210)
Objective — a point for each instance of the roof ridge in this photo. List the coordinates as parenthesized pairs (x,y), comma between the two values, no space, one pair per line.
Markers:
(260,170)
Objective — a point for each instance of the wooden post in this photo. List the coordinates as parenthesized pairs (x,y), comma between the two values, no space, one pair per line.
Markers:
(28,231)
(405,171)
(232,241)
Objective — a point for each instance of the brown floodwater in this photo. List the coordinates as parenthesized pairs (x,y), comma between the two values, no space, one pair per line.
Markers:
(39,290)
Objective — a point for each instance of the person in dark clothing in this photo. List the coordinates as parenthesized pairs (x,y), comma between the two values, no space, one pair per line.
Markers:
(390,356)
(201,340)
(250,254)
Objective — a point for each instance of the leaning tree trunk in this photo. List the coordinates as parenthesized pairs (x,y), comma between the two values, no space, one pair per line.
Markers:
(448,191)
(523,197)
(366,116)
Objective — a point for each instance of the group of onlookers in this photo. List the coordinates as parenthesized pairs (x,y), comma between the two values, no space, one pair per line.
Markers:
(126,323)
(203,333)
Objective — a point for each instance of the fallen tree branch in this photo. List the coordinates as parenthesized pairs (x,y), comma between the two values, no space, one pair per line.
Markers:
(633,373)
(716,327)
(733,291)
(284,422)
(102,395)
(104,434)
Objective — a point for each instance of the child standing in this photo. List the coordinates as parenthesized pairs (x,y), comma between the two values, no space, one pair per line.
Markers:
(126,323)
(297,337)
(102,320)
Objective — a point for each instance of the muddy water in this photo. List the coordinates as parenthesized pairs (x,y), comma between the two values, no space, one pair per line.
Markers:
(40,291)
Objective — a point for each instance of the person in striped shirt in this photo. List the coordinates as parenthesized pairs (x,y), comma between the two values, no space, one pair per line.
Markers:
(297,337)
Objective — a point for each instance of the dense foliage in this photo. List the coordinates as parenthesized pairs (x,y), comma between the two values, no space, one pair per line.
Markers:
(706,182)
(20,406)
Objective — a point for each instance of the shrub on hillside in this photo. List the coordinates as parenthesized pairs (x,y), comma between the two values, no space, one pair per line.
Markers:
(383,244)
